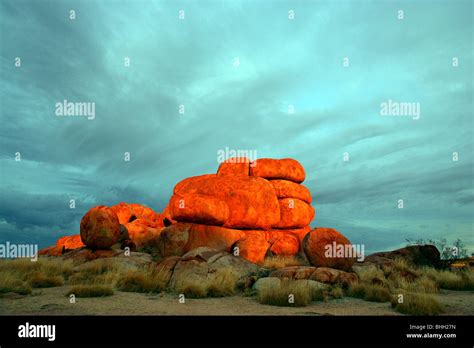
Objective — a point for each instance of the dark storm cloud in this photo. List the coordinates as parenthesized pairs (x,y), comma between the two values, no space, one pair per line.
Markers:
(283,63)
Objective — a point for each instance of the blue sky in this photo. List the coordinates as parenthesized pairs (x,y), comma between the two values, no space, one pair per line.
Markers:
(283,62)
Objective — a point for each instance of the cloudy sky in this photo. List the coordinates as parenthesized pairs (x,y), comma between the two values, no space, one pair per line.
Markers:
(283,62)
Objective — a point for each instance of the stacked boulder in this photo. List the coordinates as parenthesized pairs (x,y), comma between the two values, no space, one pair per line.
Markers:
(141,224)
(251,209)
(62,245)
(125,225)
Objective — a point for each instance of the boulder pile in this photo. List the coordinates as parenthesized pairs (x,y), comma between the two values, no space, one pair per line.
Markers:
(251,209)
(124,225)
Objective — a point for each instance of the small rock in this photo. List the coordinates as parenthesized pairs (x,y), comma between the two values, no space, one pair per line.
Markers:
(272,282)
(334,276)
(294,272)
(265,283)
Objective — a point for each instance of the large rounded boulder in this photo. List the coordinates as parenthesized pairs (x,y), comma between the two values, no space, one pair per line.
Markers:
(326,247)
(100,228)
(253,246)
(198,208)
(289,189)
(294,213)
(234,166)
(70,242)
(142,232)
(286,169)
(283,243)
(179,238)
(129,212)
(251,201)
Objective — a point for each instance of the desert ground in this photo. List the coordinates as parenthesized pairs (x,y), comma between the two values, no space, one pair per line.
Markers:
(209,282)
(53,301)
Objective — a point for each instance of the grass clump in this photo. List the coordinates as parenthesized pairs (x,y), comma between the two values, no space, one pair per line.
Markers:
(91,291)
(336,292)
(289,293)
(218,284)
(451,280)
(369,292)
(222,284)
(81,278)
(136,282)
(97,272)
(191,290)
(373,275)
(25,269)
(417,304)
(422,284)
(20,275)
(39,280)
(333,293)
(12,284)
(281,261)
(319,295)
(147,280)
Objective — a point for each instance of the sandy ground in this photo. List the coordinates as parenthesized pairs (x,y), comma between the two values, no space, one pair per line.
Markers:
(53,301)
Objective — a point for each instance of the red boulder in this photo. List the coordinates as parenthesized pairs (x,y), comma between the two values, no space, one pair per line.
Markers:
(283,242)
(253,246)
(294,213)
(179,238)
(326,247)
(128,212)
(251,201)
(142,232)
(70,242)
(286,169)
(234,166)
(289,189)
(100,228)
(203,209)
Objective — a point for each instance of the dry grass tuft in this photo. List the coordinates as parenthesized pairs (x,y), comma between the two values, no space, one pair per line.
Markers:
(369,292)
(222,284)
(336,292)
(281,261)
(39,280)
(423,284)
(219,284)
(191,290)
(451,280)
(289,294)
(11,283)
(375,276)
(19,275)
(25,268)
(147,280)
(98,272)
(91,291)
(417,304)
